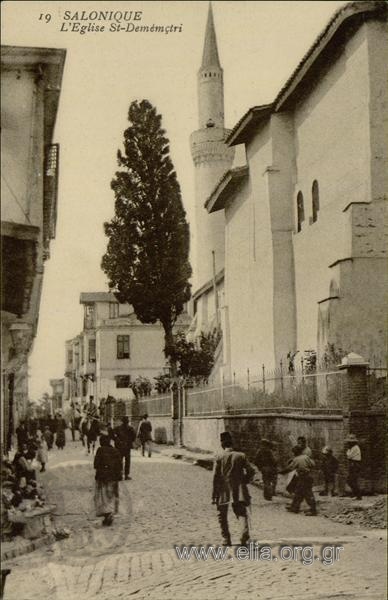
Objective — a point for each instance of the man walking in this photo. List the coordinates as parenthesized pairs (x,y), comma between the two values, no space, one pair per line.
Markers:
(124,435)
(353,455)
(232,473)
(266,463)
(144,434)
(303,466)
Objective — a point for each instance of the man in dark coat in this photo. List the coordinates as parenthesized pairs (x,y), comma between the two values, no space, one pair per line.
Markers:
(144,433)
(22,434)
(232,472)
(107,463)
(266,463)
(124,435)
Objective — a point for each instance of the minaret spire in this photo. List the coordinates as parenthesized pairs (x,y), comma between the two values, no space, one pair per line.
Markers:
(210,80)
(210,56)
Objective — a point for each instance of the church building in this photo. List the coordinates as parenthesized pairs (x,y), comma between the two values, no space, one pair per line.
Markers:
(302,262)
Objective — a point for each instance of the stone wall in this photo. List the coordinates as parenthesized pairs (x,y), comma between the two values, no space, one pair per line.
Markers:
(162,428)
(321,427)
(284,429)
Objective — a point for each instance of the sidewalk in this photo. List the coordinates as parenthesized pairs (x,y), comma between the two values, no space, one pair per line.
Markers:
(202,459)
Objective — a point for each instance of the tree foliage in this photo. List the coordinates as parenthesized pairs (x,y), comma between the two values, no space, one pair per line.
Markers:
(196,361)
(148,238)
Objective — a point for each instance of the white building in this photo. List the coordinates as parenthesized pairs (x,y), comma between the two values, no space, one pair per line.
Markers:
(113,349)
(305,242)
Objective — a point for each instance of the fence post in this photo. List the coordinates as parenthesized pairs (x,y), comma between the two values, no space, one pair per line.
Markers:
(184,407)
(281,375)
(248,377)
(222,391)
(263,369)
(302,366)
(234,378)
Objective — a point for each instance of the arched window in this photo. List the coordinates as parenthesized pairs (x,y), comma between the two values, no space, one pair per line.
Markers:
(315,196)
(300,210)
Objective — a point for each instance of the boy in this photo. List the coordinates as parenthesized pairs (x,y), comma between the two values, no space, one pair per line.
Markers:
(329,468)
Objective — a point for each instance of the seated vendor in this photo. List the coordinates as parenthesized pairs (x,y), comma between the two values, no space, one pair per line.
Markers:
(22,465)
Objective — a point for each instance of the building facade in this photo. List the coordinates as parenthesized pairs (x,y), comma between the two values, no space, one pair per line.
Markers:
(57,395)
(31,83)
(113,350)
(305,242)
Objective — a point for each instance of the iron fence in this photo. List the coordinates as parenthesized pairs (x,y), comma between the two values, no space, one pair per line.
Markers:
(272,391)
(157,406)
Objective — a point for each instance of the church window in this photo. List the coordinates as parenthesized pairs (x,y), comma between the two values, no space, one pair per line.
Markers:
(300,210)
(315,198)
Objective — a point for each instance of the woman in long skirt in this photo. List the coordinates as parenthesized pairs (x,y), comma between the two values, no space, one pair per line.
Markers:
(60,428)
(107,463)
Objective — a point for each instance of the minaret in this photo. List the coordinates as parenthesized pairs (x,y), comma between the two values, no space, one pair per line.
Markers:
(211,159)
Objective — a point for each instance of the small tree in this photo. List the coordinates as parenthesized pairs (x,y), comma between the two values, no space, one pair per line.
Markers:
(196,362)
(147,255)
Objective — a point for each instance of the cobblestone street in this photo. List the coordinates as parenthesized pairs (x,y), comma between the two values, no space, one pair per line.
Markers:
(167,503)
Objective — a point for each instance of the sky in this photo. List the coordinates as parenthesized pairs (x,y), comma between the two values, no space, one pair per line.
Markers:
(259,42)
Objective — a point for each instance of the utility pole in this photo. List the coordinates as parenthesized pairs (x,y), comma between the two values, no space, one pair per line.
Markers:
(215,290)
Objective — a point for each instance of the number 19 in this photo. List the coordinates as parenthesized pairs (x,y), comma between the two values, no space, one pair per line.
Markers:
(46,17)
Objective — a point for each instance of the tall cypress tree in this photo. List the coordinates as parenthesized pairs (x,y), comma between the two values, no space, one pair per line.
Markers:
(147,257)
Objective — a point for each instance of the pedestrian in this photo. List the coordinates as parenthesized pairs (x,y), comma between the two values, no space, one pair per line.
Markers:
(21,434)
(303,466)
(107,464)
(266,463)
(353,455)
(144,433)
(232,473)
(42,453)
(60,428)
(75,418)
(302,443)
(329,468)
(49,437)
(124,435)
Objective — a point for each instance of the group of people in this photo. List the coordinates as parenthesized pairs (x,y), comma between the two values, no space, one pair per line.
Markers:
(112,463)
(42,433)
(233,471)
(20,490)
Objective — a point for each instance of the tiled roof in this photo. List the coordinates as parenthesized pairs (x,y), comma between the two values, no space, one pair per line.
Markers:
(225,186)
(344,19)
(353,13)
(247,124)
(87,297)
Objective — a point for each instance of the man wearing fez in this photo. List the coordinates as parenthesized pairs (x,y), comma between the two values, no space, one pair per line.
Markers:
(232,473)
